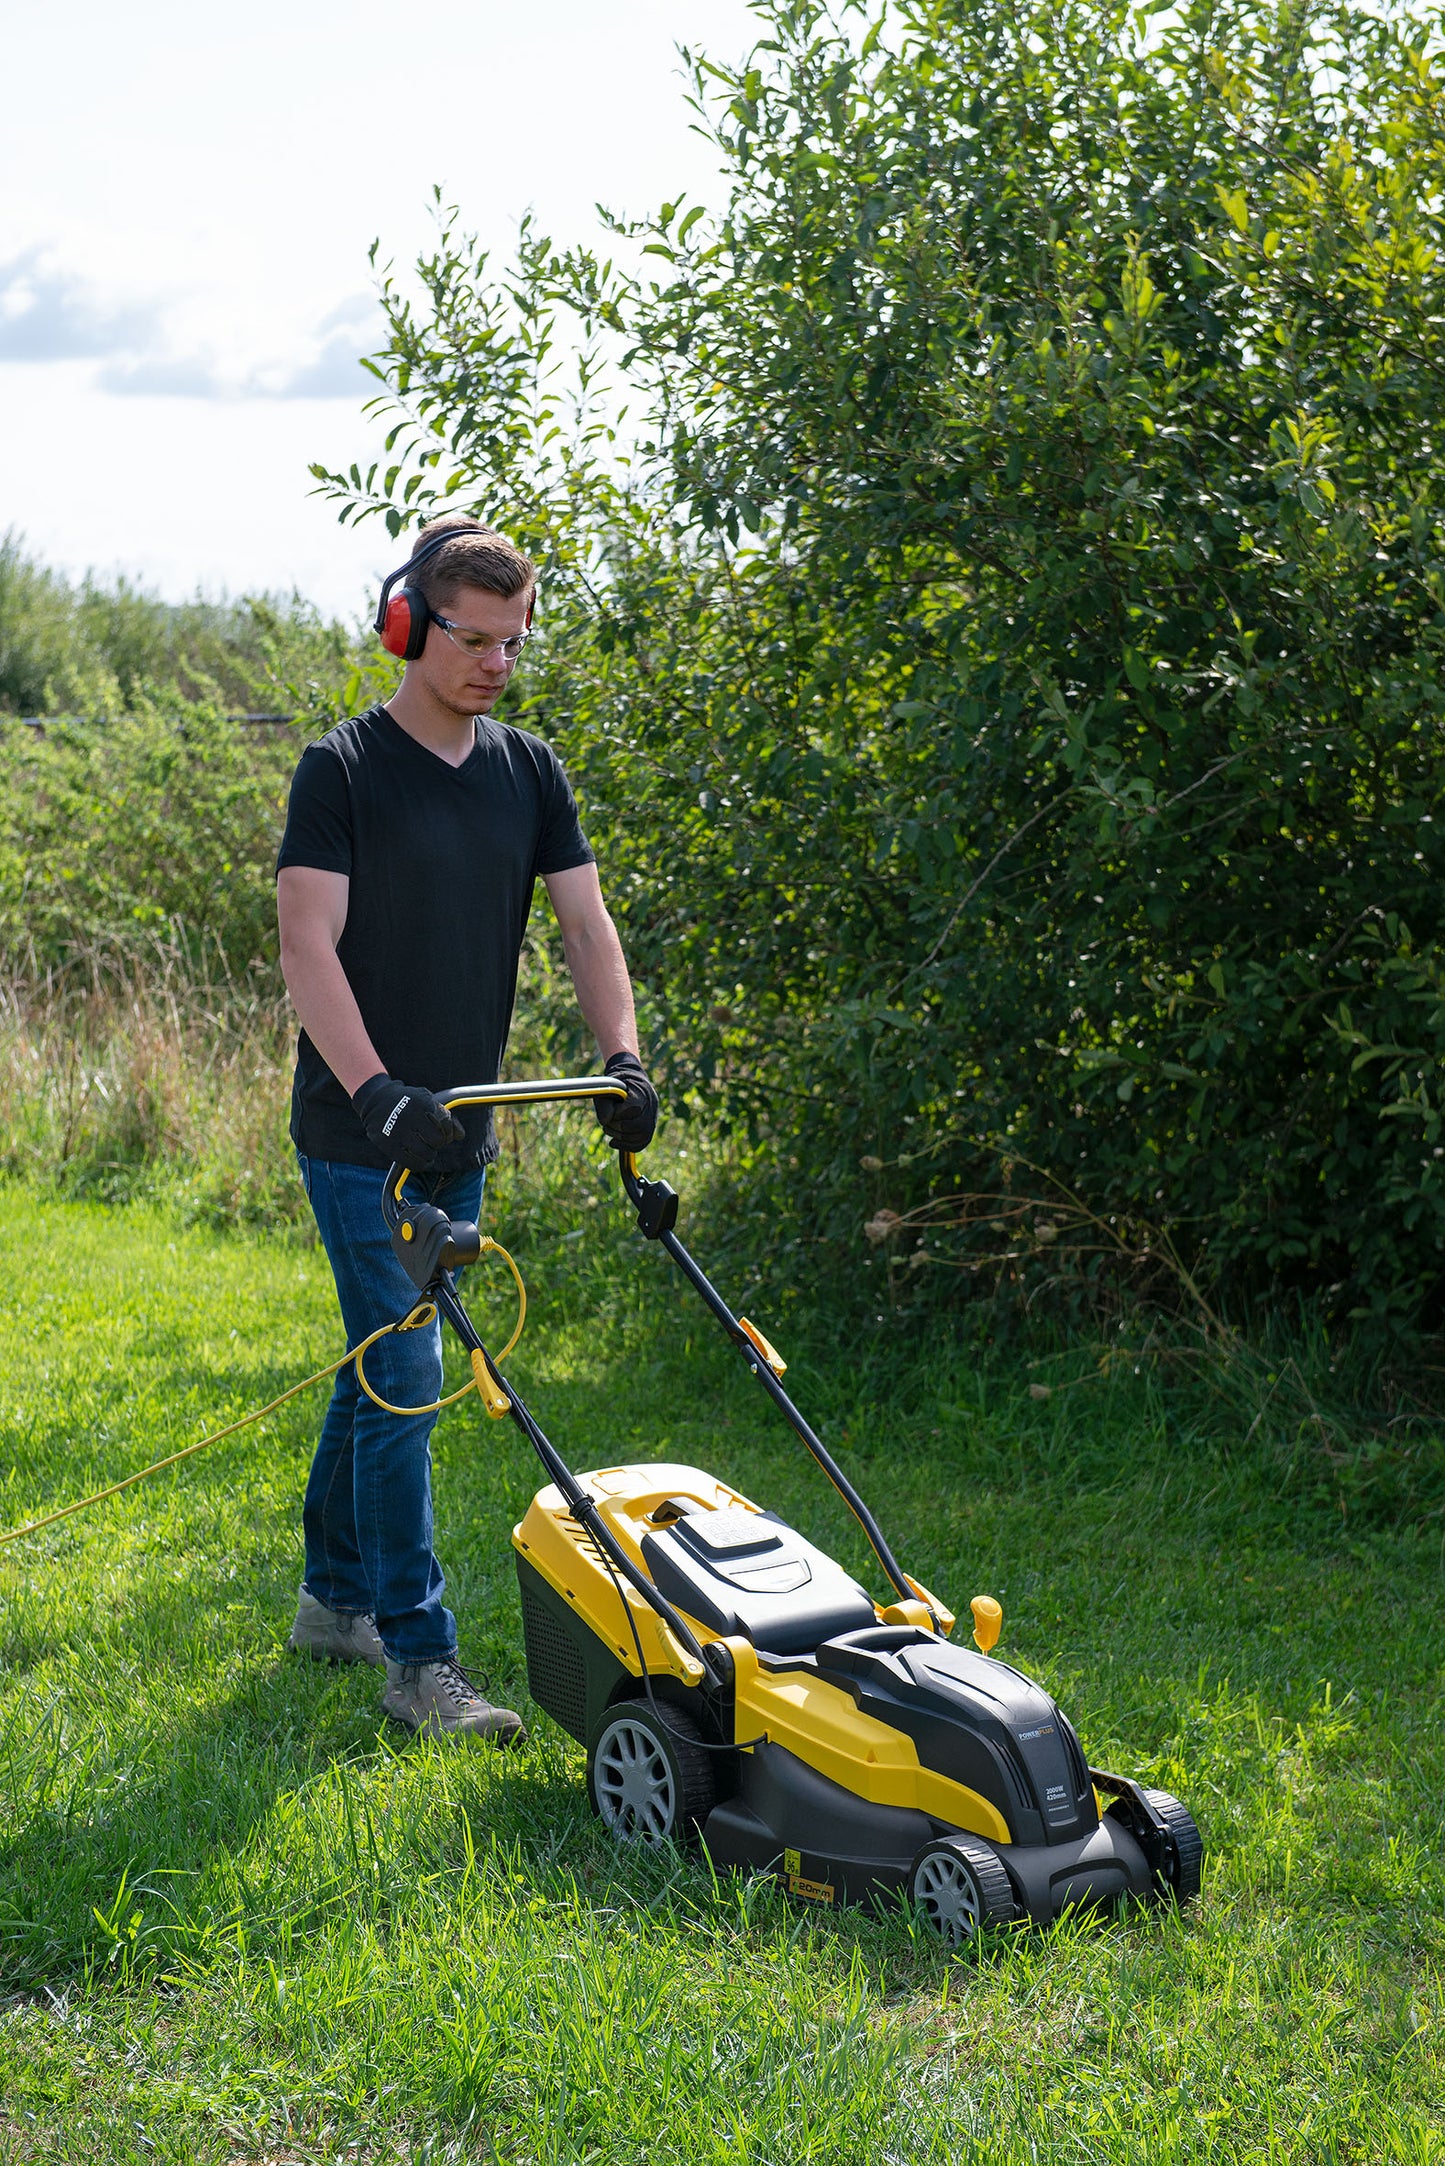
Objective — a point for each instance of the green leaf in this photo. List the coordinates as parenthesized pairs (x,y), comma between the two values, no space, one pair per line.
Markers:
(1232,203)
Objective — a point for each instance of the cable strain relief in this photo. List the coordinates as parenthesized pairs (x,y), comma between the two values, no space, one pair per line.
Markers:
(719,1661)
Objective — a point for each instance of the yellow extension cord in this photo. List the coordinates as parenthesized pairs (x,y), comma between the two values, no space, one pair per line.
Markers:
(494,1401)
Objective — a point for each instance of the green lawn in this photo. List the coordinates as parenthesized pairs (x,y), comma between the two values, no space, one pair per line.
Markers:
(240,1922)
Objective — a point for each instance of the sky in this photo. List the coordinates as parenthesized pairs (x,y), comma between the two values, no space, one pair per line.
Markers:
(187,198)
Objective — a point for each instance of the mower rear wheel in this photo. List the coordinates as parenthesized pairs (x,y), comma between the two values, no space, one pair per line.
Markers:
(961,1889)
(648,1777)
(1183,1870)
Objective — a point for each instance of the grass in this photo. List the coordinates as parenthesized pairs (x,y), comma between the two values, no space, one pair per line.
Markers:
(239,1922)
(151,1074)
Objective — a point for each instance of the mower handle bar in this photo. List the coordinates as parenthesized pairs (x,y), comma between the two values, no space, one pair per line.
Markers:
(557,1089)
(528,1093)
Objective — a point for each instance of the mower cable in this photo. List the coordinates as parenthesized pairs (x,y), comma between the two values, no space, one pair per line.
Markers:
(415,1318)
(423,1314)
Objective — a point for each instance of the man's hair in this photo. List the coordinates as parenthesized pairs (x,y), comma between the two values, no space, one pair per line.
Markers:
(479,557)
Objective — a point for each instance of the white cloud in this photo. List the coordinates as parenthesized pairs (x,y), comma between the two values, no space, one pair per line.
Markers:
(48,313)
(160,376)
(346,332)
(144,486)
(196,191)
(336,373)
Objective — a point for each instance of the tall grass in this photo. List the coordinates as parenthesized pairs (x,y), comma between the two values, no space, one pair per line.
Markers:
(98,647)
(150,1070)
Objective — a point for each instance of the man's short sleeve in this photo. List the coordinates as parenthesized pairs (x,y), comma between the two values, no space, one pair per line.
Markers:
(318,817)
(562,845)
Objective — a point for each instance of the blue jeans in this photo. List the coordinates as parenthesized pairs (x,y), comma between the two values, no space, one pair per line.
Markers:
(368,1513)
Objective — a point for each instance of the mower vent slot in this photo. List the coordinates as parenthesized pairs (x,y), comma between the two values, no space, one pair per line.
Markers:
(555,1671)
(1078,1766)
(580,1539)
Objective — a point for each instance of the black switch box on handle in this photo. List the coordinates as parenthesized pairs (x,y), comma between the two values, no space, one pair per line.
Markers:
(426,1241)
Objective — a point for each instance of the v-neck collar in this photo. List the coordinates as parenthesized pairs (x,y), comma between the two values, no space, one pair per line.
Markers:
(426,751)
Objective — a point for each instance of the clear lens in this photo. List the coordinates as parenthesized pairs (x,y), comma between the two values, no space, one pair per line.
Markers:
(477,643)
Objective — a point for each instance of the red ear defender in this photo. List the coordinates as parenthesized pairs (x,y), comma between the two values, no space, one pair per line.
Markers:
(404,624)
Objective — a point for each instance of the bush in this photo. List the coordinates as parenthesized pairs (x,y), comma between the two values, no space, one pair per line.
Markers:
(101,648)
(112,831)
(1005,670)
(147,802)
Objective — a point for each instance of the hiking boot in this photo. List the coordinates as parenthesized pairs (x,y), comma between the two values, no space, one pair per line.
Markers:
(335,1635)
(438,1699)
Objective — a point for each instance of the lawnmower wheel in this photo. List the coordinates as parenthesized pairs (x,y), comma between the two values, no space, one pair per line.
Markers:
(648,1778)
(961,1889)
(1184,1863)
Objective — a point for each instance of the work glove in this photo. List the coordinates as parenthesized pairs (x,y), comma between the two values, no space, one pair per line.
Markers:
(408,1124)
(628,1123)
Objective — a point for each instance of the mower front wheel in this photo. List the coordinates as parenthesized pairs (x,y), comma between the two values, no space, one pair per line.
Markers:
(961,1889)
(648,1777)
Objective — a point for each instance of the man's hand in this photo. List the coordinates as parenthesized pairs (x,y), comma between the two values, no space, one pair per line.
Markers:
(409,1124)
(628,1123)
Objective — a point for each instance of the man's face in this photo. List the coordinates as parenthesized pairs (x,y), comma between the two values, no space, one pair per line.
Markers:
(470,684)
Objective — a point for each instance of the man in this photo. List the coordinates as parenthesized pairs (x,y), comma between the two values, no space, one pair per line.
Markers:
(413,841)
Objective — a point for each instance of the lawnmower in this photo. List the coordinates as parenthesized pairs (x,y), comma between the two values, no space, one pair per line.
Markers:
(736,1687)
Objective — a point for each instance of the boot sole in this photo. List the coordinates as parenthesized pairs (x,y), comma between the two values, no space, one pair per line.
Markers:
(500,1738)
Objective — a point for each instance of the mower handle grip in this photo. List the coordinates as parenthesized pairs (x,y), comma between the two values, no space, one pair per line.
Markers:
(545,1091)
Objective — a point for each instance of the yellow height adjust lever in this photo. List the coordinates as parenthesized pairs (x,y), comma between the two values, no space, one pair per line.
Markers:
(987,1617)
(493,1398)
(769,1353)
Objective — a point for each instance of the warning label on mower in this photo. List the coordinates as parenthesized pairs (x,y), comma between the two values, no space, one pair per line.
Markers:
(796,1881)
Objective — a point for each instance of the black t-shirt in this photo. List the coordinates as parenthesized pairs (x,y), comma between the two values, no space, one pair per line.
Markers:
(442,863)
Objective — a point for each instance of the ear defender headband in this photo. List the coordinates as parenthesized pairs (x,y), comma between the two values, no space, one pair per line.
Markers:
(404,619)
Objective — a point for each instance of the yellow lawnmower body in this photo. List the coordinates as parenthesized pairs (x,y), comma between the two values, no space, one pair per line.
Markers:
(870,1743)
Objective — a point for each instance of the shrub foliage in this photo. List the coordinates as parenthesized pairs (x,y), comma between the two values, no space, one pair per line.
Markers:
(142,817)
(162,823)
(99,648)
(1001,640)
